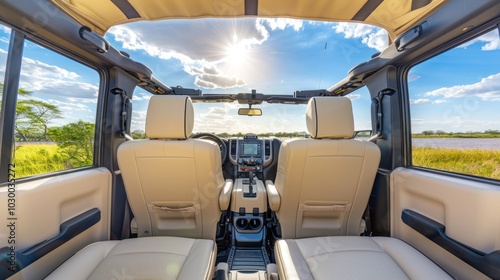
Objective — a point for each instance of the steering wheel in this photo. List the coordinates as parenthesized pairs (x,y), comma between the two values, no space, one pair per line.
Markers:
(217,140)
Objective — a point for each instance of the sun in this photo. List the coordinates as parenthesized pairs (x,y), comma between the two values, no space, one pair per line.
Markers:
(237,51)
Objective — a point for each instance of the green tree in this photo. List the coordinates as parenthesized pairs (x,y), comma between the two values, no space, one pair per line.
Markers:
(491,131)
(76,141)
(440,132)
(43,113)
(33,116)
(427,132)
(24,124)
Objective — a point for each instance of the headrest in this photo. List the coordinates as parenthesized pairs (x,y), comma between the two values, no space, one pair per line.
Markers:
(330,117)
(169,117)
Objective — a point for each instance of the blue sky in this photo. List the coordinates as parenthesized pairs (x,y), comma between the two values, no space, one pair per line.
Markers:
(458,91)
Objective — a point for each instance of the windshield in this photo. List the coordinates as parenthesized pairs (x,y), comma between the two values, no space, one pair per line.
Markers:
(230,56)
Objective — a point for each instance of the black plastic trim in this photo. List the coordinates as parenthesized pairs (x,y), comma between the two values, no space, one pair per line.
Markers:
(127,9)
(9,101)
(489,264)
(251,7)
(220,274)
(417,4)
(367,9)
(68,229)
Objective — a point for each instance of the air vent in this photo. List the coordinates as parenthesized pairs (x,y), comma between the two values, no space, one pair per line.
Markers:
(233,144)
(267,149)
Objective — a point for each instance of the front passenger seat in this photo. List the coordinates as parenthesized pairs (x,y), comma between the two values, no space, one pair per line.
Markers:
(174,184)
(323,184)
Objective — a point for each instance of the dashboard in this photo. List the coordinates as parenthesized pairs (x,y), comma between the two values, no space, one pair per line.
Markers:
(250,154)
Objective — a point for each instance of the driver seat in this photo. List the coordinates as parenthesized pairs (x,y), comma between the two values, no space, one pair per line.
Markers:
(174,184)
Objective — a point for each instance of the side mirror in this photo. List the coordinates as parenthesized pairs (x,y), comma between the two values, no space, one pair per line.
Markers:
(250,112)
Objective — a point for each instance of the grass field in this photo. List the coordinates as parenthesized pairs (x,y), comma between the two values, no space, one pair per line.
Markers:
(32,159)
(484,163)
(457,135)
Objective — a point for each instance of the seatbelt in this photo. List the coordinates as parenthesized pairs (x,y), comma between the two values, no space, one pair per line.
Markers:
(124,113)
(377,106)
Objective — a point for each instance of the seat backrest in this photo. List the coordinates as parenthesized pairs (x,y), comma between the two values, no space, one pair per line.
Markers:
(325,182)
(172,182)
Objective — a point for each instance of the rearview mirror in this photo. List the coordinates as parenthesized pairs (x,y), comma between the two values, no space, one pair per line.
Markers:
(250,112)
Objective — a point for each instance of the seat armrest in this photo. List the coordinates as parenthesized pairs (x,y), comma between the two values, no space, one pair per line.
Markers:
(225,195)
(273,196)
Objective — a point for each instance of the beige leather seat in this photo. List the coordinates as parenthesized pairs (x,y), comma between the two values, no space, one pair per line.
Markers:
(353,257)
(174,184)
(323,184)
(159,257)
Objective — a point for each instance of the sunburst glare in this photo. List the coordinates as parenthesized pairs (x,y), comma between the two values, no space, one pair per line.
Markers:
(237,51)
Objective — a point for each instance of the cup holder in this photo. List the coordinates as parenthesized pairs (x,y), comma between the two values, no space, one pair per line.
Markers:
(241,223)
(255,224)
(248,224)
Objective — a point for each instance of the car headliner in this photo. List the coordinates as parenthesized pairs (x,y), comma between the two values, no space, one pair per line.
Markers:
(396,16)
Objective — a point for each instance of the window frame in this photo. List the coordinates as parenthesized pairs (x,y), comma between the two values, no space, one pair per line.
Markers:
(403,72)
(7,124)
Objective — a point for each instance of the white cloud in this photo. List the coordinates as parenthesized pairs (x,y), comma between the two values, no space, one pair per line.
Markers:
(69,106)
(283,23)
(51,80)
(492,40)
(372,36)
(439,101)
(60,87)
(216,120)
(138,121)
(422,101)
(377,40)
(218,81)
(202,46)
(353,30)
(413,77)
(5,29)
(141,96)
(488,89)
(353,96)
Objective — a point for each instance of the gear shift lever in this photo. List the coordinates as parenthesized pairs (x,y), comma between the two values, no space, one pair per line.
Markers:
(250,182)
(250,192)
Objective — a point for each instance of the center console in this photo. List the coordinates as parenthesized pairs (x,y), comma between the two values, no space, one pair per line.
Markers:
(248,207)
(248,251)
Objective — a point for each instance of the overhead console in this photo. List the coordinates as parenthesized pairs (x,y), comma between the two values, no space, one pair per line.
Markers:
(250,154)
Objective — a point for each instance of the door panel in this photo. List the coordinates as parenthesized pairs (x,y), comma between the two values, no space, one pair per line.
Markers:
(468,210)
(70,209)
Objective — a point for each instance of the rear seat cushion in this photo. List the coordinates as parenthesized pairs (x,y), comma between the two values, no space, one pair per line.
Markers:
(159,257)
(353,257)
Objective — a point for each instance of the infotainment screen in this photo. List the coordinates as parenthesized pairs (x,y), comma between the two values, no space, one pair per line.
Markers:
(250,149)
